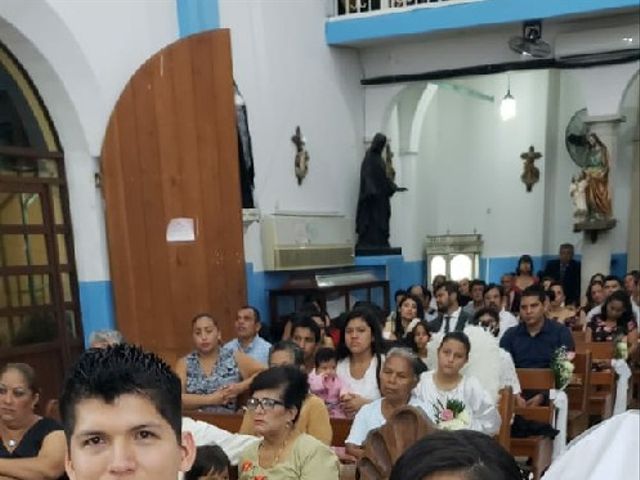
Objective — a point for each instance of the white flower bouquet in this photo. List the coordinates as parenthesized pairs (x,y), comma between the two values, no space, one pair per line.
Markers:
(562,367)
(453,415)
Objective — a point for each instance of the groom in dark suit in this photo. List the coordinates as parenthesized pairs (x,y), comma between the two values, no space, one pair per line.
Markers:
(451,317)
(566,270)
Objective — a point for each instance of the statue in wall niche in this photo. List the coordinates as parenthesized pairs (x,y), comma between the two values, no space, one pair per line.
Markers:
(388,162)
(245,154)
(577,190)
(374,200)
(301,162)
(530,174)
(595,171)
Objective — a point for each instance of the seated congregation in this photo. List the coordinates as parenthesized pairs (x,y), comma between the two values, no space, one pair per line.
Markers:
(481,366)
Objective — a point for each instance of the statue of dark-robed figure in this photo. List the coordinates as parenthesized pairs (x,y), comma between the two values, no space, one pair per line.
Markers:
(374,205)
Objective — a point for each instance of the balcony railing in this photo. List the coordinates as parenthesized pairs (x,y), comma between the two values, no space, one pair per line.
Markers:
(345,8)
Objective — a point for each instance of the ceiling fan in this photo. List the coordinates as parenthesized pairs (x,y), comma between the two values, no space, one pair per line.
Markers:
(531,43)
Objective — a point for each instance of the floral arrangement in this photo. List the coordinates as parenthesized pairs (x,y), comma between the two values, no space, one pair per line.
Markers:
(562,367)
(452,415)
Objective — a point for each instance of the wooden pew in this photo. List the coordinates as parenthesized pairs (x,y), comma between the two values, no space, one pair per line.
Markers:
(226,421)
(538,448)
(341,428)
(505,408)
(581,336)
(578,392)
(603,383)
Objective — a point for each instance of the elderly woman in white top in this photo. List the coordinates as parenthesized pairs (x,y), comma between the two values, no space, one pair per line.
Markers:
(360,359)
(453,400)
(398,377)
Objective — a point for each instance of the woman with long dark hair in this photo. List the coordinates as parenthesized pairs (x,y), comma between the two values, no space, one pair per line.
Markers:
(410,311)
(360,357)
(616,322)
(524,274)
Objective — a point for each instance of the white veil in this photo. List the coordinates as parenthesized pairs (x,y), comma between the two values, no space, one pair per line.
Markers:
(484,358)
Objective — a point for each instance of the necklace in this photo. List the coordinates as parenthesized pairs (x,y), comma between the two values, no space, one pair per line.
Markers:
(12,443)
(278,453)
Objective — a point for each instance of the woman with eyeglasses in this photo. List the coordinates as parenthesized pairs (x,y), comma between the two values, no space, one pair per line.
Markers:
(283,453)
(314,416)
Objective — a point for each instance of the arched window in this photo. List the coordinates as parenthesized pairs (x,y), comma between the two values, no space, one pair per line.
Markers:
(461,267)
(455,256)
(438,266)
(39,312)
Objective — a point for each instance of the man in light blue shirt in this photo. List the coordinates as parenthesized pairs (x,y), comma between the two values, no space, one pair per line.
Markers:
(247,339)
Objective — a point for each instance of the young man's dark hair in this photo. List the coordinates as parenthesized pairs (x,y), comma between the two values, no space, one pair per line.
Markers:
(534,291)
(472,455)
(477,281)
(566,246)
(305,321)
(109,373)
(450,286)
(497,286)
(210,459)
(325,355)
(256,312)
(613,278)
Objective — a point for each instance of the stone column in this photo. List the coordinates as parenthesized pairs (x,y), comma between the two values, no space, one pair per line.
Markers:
(596,256)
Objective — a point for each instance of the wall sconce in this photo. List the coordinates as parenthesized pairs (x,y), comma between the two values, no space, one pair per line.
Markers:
(508,104)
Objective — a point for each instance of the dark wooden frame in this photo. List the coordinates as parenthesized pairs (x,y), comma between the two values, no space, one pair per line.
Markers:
(278,319)
(67,346)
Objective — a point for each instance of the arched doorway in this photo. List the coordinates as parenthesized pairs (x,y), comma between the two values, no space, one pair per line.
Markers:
(39,315)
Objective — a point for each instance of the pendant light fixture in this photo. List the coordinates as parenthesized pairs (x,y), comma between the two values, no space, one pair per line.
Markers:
(508,104)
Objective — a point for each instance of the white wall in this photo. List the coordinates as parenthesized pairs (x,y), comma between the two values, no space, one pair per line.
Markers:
(80,56)
(288,76)
(470,166)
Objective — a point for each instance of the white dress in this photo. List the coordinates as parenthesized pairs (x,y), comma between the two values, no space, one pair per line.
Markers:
(367,386)
(607,451)
(370,417)
(480,406)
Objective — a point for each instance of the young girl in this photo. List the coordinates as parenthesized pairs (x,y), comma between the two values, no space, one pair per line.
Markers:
(418,340)
(446,383)
(325,383)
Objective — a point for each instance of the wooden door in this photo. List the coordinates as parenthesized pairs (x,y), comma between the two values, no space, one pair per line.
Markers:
(39,316)
(170,152)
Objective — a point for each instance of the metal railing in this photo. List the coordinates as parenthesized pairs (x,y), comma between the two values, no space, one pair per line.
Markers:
(357,7)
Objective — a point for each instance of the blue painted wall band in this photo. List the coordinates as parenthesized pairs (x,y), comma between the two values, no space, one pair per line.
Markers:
(96,306)
(195,16)
(420,20)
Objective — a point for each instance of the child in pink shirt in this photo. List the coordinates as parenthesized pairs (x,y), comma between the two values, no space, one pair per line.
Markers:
(325,382)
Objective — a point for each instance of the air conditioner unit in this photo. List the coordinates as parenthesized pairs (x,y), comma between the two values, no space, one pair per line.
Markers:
(604,44)
(303,241)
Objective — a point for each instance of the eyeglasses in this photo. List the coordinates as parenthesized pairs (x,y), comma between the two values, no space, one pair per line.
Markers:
(265,403)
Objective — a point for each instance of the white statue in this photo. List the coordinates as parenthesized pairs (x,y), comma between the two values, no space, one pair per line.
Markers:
(577,190)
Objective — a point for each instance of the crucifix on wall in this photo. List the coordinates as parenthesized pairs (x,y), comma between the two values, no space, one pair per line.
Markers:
(530,174)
